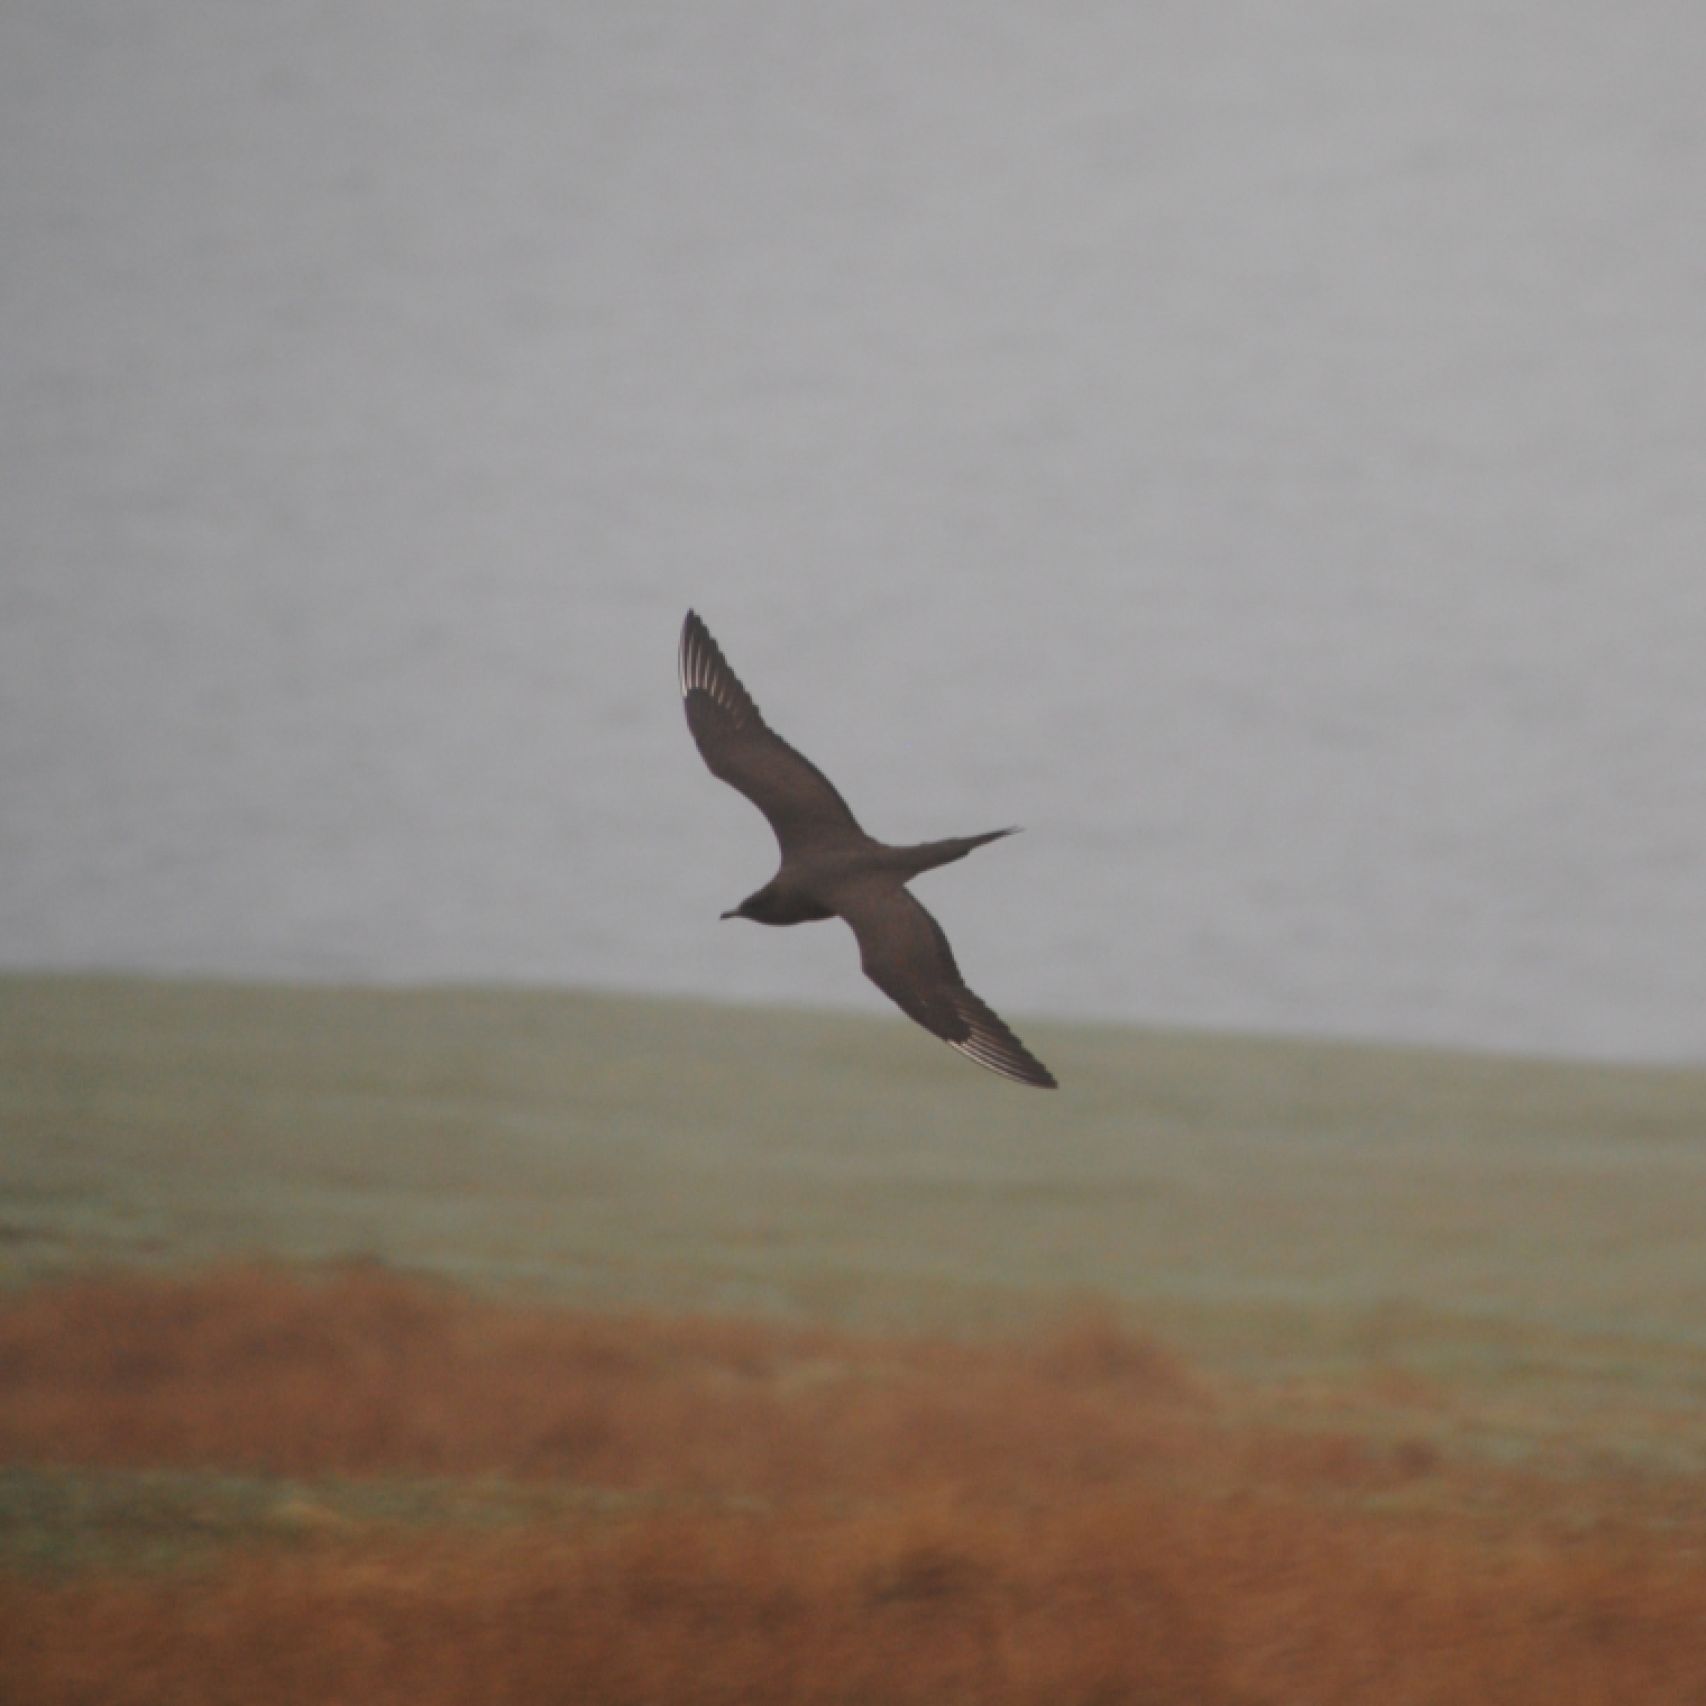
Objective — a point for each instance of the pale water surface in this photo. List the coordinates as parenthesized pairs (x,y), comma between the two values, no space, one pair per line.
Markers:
(1261,449)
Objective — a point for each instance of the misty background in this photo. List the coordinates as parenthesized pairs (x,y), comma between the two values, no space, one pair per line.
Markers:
(1262,450)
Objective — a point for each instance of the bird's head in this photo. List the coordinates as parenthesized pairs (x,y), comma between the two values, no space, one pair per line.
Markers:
(770,905)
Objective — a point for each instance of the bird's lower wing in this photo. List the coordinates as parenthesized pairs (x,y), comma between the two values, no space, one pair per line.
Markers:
(742,749)
(905,953)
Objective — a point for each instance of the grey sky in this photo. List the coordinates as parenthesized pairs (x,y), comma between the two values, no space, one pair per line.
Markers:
(1259,448)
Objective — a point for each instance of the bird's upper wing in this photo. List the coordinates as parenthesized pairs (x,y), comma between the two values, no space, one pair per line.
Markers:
(905,953)
(740,747)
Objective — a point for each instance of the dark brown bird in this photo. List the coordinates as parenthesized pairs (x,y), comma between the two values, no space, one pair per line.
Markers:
(831,868)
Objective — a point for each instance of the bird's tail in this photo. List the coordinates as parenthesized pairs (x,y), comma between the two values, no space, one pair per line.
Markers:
(926,855)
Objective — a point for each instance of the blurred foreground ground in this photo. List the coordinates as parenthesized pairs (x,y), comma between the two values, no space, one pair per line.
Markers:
(456,1346)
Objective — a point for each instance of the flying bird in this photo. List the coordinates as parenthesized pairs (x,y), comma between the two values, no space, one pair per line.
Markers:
(831,868)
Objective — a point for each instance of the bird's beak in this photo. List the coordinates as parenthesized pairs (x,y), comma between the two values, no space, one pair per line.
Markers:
(733,912)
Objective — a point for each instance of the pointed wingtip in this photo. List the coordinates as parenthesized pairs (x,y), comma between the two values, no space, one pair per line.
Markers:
(688,659)
(991,1042)
(1026,1069)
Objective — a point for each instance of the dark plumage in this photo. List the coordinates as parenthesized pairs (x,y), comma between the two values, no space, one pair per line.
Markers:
(832,868)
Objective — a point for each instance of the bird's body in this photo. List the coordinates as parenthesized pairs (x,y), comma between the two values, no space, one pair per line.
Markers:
(831,868)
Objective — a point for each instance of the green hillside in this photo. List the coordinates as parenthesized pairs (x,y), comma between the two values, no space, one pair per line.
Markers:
(1278,1204)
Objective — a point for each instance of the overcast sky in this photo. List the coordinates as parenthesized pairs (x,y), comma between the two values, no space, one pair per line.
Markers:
(1258,448)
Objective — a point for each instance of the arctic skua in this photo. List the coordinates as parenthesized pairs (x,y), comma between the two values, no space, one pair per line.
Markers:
(832,869)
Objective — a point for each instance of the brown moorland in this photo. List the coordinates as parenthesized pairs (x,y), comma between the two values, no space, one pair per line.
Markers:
(628,1507)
